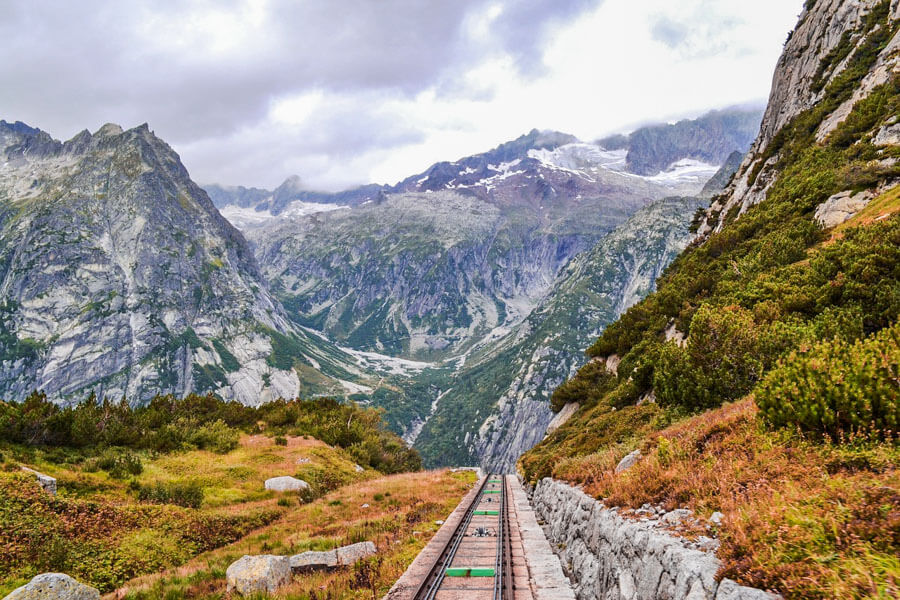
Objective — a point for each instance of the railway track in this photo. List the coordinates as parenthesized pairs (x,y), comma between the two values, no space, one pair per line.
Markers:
(476,562)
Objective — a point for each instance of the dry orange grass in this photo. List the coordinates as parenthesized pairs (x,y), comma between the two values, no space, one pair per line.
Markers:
(806,519)
(400,519)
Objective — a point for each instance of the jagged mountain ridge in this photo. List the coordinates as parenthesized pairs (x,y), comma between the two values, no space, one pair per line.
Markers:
(444,258)
(120,277)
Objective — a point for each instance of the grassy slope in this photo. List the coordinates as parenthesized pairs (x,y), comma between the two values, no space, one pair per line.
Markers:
(400,519)
(812,519)
(96,531)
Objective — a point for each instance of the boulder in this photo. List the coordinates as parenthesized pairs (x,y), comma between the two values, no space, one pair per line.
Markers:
(841,207)
(630,459)
(286,483)
(313,561)
(45,481)
(258,574)
(731,590)
(54,586)
(888,135)
(347,555)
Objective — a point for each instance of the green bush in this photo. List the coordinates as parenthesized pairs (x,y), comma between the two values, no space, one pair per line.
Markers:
(837,388)
(280,440)
(216,437)
(182,493)
(118,462)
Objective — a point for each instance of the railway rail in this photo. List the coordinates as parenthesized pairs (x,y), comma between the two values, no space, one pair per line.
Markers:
(479,548)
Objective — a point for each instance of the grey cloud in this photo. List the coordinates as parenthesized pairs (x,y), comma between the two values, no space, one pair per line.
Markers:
(524,25)
(669,32)
(74,65)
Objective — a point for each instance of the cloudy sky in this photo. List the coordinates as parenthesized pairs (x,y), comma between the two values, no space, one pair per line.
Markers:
(343,92)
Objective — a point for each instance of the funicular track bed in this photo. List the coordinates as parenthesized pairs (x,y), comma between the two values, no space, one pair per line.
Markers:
(479,554)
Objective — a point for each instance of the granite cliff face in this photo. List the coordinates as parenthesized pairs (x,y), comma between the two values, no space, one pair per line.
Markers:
(840,51)
(120,277)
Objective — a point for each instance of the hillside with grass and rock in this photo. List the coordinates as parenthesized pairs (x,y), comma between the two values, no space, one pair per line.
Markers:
(106,492)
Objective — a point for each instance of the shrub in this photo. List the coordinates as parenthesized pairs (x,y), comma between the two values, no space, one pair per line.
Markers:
(837,388)
(216,437)
(118,462)
(280,441)
(182,493)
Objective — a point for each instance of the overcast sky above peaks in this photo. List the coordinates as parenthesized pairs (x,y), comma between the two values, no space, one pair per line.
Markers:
(344,92)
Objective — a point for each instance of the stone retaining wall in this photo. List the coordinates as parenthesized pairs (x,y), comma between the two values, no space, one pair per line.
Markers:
(609,557)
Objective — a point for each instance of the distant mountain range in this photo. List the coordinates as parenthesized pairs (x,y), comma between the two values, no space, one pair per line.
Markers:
(455,299)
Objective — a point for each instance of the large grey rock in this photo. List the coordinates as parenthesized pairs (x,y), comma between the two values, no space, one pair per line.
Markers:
(45,481)
(731,590)
(258,574)
(628,461)
(312,561)
(888,135)
(841,207)
(347,555)
(329,559)
(286,483)
(54,586)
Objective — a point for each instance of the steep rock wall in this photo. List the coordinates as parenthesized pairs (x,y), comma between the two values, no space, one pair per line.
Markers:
(816,53)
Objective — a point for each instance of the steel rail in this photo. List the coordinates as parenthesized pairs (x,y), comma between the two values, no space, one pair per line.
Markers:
(503,581)
(428,588)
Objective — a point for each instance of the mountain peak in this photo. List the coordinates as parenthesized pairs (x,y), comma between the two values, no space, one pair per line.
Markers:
(109,130)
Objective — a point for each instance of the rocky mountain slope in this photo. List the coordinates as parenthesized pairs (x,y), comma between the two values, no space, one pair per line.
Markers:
(460,266)
(498,404)
(838,54)
(120,277)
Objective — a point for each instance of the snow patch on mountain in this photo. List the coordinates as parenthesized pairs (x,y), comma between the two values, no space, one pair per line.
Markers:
(246,217)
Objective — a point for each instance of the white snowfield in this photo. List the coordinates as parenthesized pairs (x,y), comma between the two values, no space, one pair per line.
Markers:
(243,218)
(581,157)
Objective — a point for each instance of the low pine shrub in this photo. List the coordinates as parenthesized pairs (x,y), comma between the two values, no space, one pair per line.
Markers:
(837,389)
(216,437)
(120,463)
(182,493)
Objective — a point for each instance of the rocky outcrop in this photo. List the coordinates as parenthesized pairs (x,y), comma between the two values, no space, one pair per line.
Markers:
(286,483)
(54,586)
(262,574)
(347,555)
(331,559)
(841,207)
(628,461)
(610,557)
(312,560)
(712,138)
(817,51)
